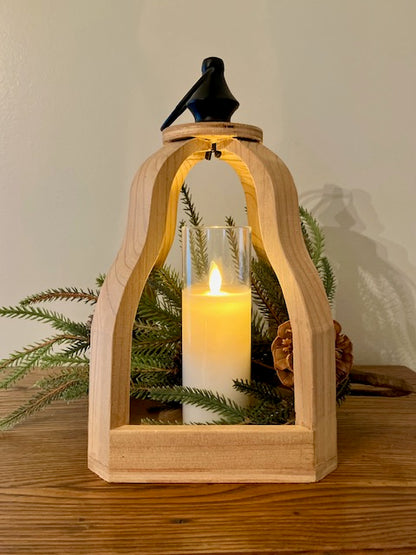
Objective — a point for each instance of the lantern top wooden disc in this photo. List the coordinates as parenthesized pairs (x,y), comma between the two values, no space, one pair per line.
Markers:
(212,129)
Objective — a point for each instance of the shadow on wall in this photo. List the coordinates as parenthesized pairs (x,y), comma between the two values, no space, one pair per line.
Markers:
(375,301)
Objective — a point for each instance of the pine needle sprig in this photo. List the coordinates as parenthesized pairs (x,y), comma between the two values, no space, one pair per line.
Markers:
(77,347)
(167,284)
(99,280)
(306,239)
(272,410)
(258,390)
(20,357)
(21,363)
(189,207)
(261,355)
(267,294)
(241,264)
(326,273)
(145,380)
(269,413)
(88,296)
(151,310)
(19,371)
(234,248)
(143,362)
(262,300)
(155,421)
(273,406)
(258,328)
(181,224)
(154,347)
(202,398)
(38,402)
(63,359)
(315,240)
(315,243)
(73,381)
(56,320)
(156,342)
(343,390)
(67,386)
(198,241)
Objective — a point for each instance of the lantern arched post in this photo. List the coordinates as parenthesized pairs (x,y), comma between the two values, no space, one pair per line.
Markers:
(273,212)
(149,234)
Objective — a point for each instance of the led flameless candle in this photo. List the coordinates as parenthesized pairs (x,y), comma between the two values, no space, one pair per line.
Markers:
(216,313)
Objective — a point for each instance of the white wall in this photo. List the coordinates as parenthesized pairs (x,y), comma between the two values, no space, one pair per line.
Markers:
(85,85)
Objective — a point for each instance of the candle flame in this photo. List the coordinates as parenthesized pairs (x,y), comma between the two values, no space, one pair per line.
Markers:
(215,279)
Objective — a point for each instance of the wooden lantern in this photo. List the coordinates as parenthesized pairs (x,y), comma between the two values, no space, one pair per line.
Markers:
(304,452)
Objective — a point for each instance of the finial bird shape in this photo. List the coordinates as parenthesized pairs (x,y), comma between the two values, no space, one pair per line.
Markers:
(209,99)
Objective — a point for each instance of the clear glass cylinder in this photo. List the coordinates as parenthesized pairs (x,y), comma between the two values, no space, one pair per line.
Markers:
(216,312)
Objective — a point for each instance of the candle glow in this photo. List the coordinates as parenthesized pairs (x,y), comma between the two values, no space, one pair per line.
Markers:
(215,279)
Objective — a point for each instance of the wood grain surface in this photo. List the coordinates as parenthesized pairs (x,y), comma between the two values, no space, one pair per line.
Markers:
(213,129)
(51,503)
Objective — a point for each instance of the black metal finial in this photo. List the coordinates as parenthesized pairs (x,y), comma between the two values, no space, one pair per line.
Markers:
(209,99)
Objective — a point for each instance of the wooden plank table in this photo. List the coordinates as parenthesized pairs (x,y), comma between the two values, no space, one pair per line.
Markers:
(51,503)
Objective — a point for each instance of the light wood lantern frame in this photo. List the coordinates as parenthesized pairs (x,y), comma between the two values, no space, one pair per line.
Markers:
(304,452)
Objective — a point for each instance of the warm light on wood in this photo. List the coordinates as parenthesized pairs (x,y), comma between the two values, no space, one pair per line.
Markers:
(304,452)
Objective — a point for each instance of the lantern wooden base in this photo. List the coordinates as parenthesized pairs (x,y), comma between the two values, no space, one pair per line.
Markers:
(212,454)
(305,452)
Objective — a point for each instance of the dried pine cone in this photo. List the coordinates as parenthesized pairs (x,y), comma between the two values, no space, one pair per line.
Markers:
(282,350)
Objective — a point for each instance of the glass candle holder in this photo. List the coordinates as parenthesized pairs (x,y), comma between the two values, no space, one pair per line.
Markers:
(216,313)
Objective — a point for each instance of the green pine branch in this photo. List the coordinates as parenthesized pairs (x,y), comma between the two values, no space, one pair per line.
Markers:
(87,296)
(99,280)
(38,402)
(77,347)
(155,421)
(151,310)
(327,276)
(267,294)
(71,379)
(234,247)
(20,357)
(269,410)
(167,285)
(343,390)
(273,405)
(198,242)
(315,241)
(20,363)
(258,327)
(155,341)
(162,357)
(57,321)
(189,207)
(258,390)
(66,386)
(147,379)
(269,413)
(63,360)
(202,398)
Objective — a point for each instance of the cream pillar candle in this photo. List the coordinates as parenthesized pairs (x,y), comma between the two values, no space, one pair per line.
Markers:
(216,338)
